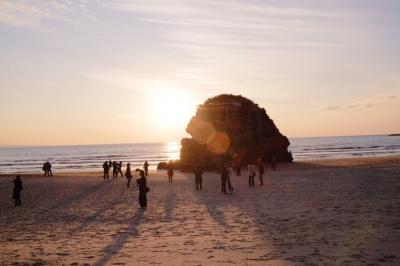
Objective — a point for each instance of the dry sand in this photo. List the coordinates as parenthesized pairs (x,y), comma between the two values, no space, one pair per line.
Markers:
(333,212)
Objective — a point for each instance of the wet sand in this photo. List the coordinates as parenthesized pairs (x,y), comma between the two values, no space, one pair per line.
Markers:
(332,212)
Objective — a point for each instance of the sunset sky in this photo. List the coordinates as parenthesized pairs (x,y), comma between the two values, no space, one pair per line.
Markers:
(85,72)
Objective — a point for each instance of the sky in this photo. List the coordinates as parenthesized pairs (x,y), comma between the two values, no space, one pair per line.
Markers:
(90,72)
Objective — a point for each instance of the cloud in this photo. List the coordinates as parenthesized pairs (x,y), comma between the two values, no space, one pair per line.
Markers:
(252,35)
(332,108)
(28,14)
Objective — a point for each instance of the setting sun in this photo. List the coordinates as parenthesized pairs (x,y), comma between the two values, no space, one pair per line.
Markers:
(172,107)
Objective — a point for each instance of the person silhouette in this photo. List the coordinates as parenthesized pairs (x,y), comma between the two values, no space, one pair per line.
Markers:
(115,169)
(260,171)
(128,174)
(224,178)
(170,171)
(47,169)
(198,178)
(143,189)
(119,169)
(146,168)
(252,174)
(109,165)
(106,168)
(17,191)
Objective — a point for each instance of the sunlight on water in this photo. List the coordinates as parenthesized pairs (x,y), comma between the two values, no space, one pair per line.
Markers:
(172,150)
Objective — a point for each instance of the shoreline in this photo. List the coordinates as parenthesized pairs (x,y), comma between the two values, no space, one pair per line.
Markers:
(378,161)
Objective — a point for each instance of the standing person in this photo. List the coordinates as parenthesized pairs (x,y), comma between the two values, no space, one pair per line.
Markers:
(143,189)
(106,169)
(260,171)
(252,174)
(231,179)
(128,174)
(115,169)
(109,165)
(224,178)
(44,168)
(198,178)
(47,169)
(120,169)
(170,171)
(146,168)
(17,191)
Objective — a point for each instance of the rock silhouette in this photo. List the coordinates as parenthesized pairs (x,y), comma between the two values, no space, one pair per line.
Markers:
(231,129)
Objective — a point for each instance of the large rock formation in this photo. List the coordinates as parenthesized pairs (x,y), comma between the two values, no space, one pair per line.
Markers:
(232,129)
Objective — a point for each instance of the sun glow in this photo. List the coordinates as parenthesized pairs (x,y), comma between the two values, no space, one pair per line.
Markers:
(172,107)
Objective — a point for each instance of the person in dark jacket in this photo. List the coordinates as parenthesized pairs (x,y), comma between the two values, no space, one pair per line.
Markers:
(106,168)
(143,189)
(119,166)
(198,178)
(115,169)
(17,191)
(128,174)
(224,178)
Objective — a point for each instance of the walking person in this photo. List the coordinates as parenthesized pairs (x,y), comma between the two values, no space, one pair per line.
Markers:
(146,168)
(252,174)
(128,174)
(170,172)
(260,165)
(119,170)
(17,191)
(224,178)
(198,178)
(106,169)
(143,189)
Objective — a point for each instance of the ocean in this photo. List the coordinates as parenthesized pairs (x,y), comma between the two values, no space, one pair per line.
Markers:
(91,157)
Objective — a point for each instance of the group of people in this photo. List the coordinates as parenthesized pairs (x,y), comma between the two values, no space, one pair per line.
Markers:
(47,169)
(116,169)
(141,182)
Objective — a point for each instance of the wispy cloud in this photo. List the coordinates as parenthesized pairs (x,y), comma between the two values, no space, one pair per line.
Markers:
(225,35)
(28,14)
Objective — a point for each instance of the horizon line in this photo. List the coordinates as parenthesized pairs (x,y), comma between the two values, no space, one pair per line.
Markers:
(159,142)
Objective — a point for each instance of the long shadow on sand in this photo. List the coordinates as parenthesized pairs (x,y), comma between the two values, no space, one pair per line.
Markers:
(327,215)
(92,217)
(76,197)
(113,248)
(170,202)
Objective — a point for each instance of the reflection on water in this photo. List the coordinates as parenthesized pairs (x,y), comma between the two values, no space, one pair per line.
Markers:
(172,150)
(92,157)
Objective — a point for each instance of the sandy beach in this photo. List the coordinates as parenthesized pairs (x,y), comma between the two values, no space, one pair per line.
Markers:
(331,212)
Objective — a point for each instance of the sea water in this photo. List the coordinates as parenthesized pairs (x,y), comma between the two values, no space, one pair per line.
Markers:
(92,157)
